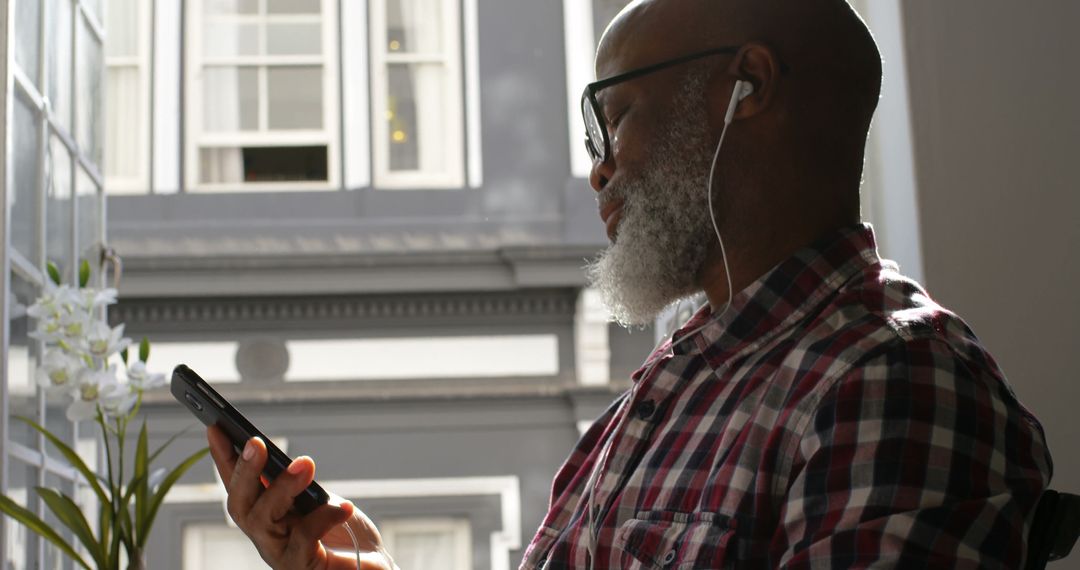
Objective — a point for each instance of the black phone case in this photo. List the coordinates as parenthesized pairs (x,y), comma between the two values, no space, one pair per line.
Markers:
(211,408)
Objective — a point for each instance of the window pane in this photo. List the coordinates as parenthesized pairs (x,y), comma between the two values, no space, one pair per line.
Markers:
(21,542)
(27,38)
(24,200)
(230,99)
(123,26)
(294,39)
(424,549)
(88,78)
(263,164)
(418,123)
(54,558)
(414,26)
(229,39)
(21,357)
(122,138)
(293,6)
(88,208)
(295,97)
(59,234)
(231,6)
(59,30)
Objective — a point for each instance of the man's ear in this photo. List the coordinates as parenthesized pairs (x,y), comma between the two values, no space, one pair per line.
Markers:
(760,66)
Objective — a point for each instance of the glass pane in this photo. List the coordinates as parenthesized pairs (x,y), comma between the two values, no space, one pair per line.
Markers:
(88,208)
(88,107)
(24,200)
(294,39)
(263,164)
(22,355)
(231,6)
(229,39)
(295,97)
(414,26)
(424,549)
(22,543)
(122,134)
(418,125)
(54,558)
(59,227)
(27,37)
(230,99)
(123,26)
(293,6)
(59,30)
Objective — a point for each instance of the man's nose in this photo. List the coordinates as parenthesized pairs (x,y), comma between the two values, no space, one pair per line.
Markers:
(601,172)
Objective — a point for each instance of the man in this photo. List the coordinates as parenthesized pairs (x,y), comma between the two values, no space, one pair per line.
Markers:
(821,410)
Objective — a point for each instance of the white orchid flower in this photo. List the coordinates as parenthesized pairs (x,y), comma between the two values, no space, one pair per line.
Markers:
(54,302)
(117,399)
(58,370)
(103,342)
(48,329)
(91,299)
(142,379)
(92,385)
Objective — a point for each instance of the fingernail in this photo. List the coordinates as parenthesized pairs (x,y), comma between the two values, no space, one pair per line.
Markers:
(249,450)
(296,467)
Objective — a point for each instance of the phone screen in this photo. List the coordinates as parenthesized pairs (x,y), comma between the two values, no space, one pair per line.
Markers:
(211,408)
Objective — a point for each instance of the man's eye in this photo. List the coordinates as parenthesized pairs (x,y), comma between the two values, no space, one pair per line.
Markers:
(616,118)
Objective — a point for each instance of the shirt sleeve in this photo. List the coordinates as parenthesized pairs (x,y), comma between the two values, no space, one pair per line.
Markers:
(917,458)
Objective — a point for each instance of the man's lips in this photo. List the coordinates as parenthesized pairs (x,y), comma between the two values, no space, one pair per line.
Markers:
(611,214)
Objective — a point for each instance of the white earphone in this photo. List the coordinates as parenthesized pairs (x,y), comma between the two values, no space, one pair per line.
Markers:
(743,89)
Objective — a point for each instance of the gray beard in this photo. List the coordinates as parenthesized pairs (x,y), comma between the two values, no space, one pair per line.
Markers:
(665,233)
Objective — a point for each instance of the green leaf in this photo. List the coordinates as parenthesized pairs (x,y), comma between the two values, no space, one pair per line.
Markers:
(141,488)
(72,457)
(84,273)
(32,522)
(144,349)
(69,513)
(158,451)
(124,355)
(54,272)
(167,484)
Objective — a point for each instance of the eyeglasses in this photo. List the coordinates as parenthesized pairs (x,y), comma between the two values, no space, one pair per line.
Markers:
(596,132)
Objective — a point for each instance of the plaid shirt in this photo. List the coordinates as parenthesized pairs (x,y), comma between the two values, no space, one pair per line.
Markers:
(834,417)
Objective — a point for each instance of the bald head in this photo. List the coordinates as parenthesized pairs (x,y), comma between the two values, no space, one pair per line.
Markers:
(832,58)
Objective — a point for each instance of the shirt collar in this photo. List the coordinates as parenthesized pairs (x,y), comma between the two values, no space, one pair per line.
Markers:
(780,297)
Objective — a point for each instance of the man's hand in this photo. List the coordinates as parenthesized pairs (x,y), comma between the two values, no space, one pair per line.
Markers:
(284,539)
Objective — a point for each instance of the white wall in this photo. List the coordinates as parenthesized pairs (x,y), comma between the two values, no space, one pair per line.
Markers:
(996,118)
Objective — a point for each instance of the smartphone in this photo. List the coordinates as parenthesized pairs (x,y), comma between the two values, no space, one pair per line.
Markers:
(212,409)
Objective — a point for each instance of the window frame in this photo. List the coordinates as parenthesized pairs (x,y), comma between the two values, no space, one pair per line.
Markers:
(195,138)
(142,62)
(20,85)
(451,58)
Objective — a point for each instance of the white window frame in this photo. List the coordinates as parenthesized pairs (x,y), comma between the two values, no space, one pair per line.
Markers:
(140,183)
(451,59)
(329,135)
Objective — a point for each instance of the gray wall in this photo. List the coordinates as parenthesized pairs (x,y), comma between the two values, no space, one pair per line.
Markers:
(997,129)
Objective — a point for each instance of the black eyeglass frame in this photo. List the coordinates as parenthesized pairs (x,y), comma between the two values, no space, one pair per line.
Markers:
(589,96)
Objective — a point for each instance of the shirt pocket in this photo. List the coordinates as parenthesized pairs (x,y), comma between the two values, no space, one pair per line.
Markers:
(535,557)
(666,540)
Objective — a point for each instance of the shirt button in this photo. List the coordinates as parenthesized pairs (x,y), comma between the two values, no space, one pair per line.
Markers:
(646,410)
(669,558)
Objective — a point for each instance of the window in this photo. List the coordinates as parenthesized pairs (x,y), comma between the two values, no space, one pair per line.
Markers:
(127,133)
(416,93)
(428,543)
(53,197)
(263,92)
